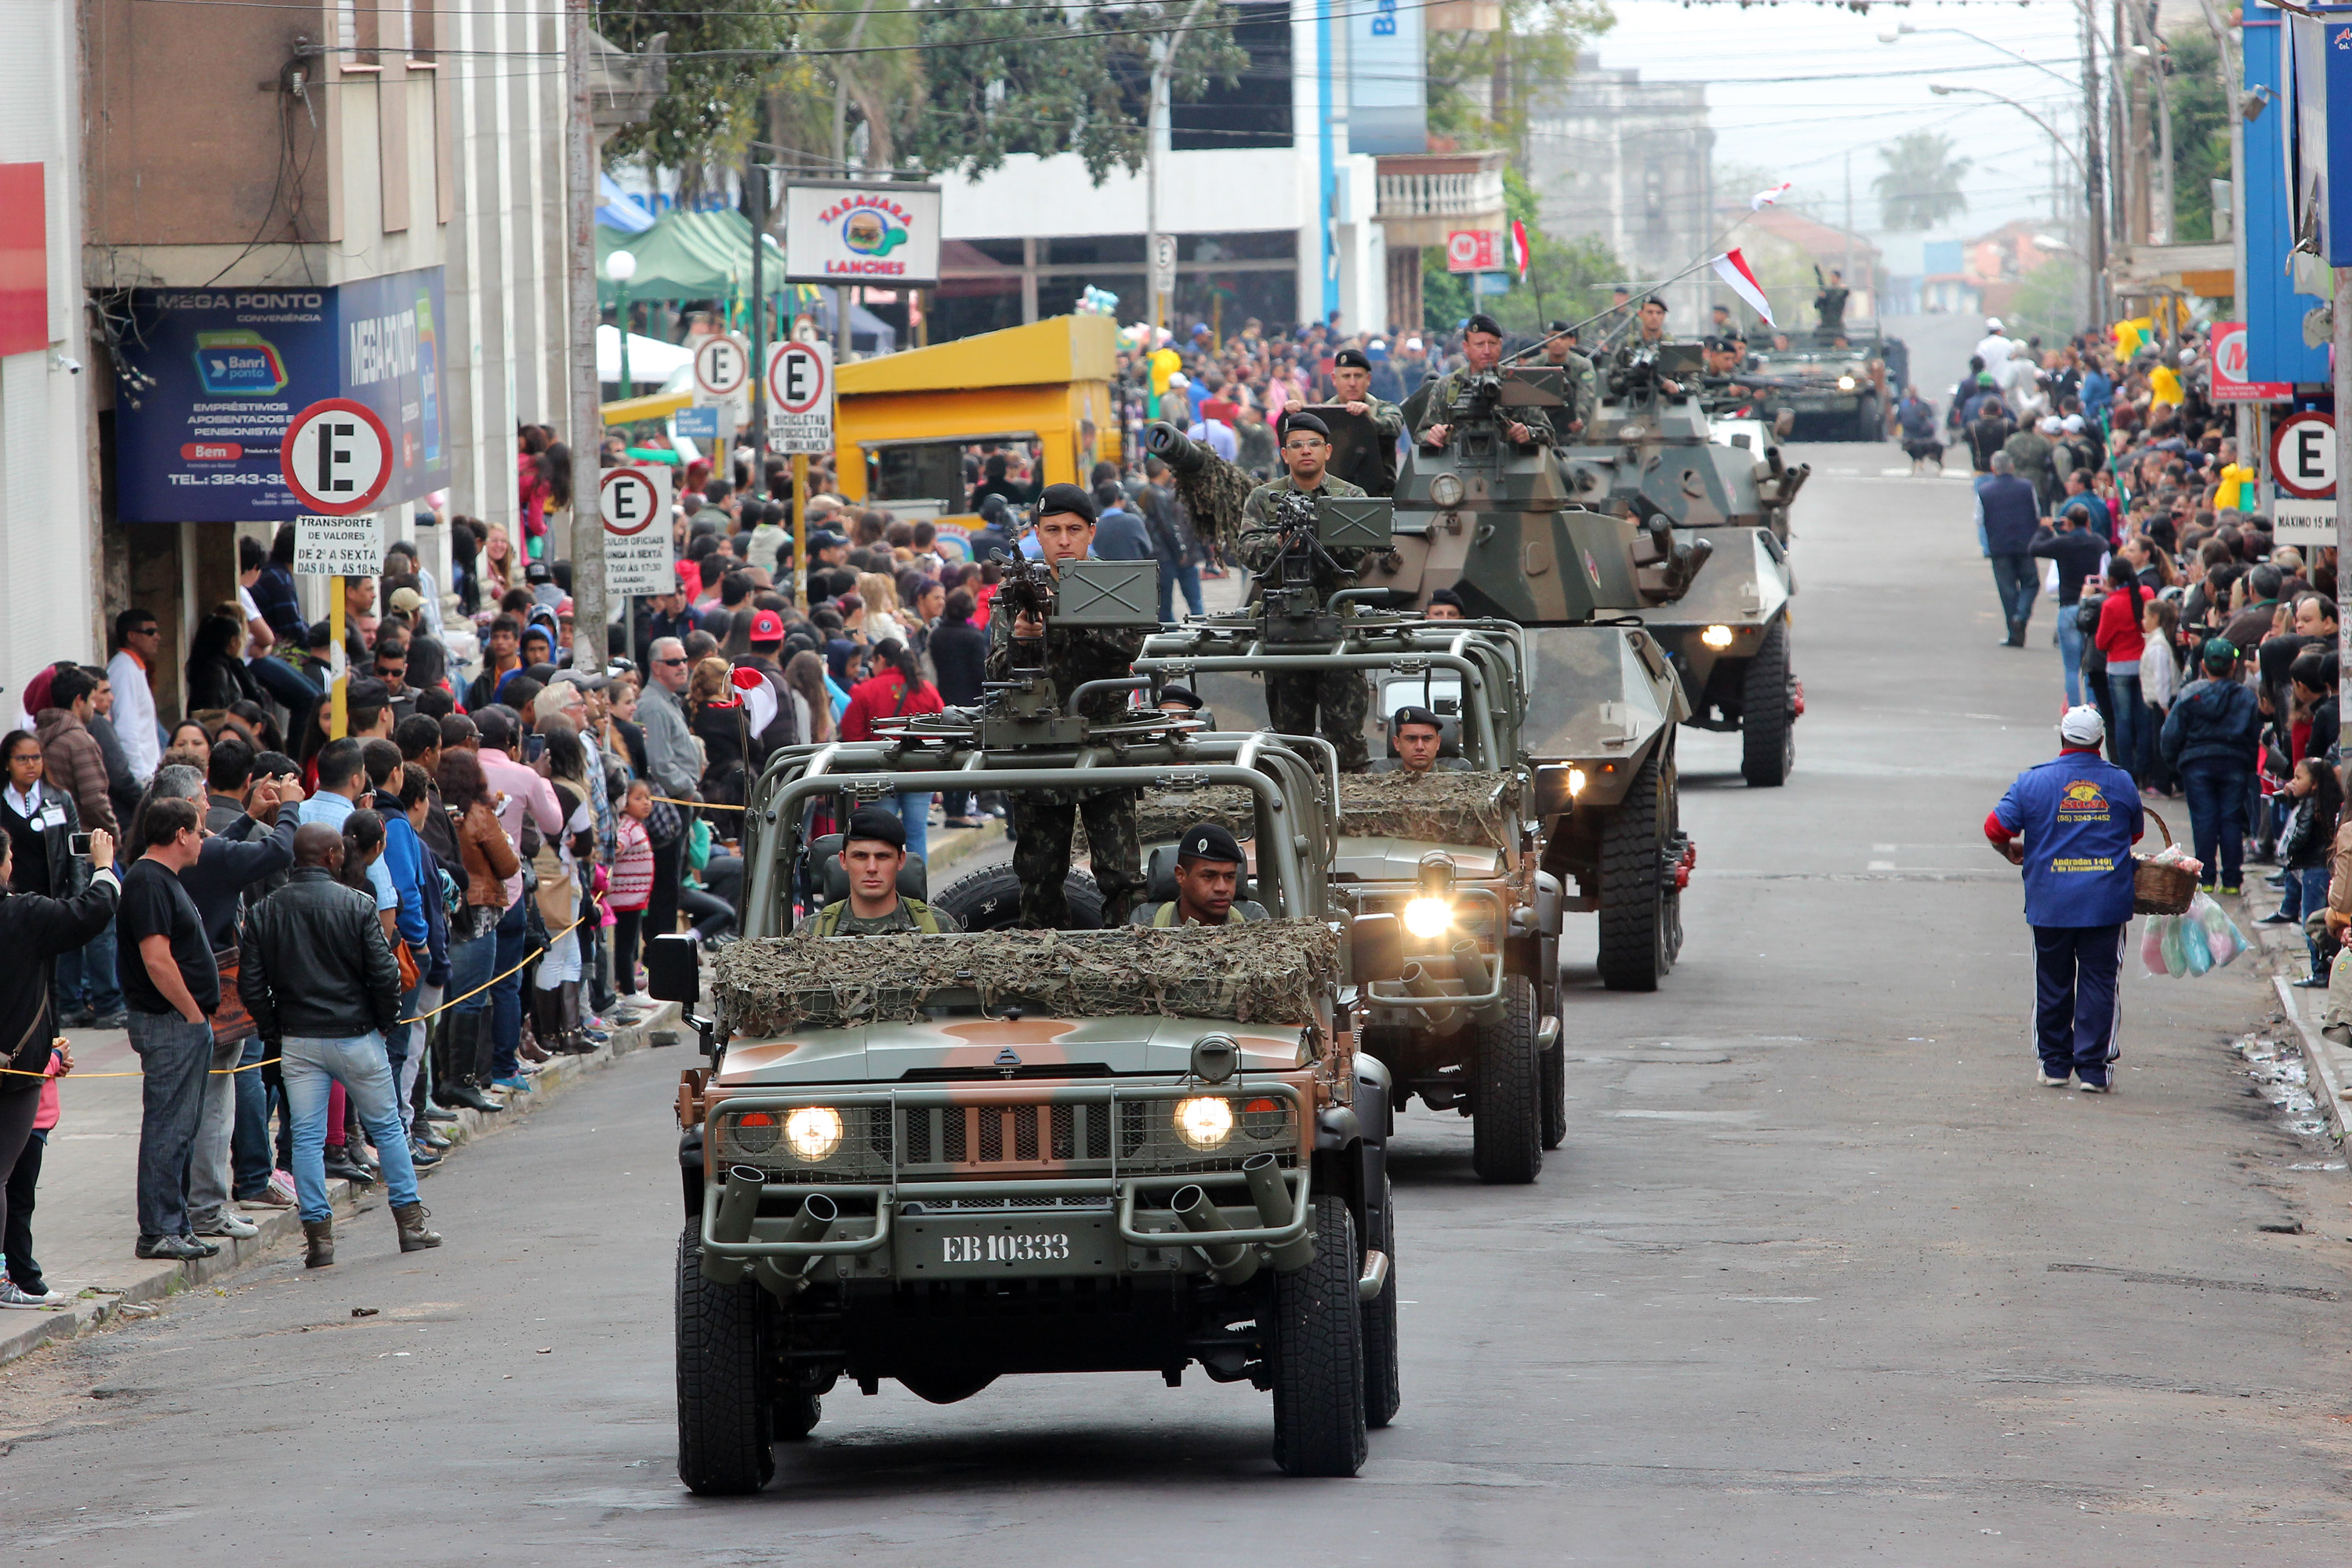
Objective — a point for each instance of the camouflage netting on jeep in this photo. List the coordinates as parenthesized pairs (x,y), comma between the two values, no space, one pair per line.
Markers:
(1436,808)
(1267,971)
(1162,815)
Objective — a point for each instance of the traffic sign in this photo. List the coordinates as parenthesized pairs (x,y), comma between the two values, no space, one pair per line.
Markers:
(337,456)
(800,397)
(637,546)
(722,369)
(2303,456)
(2229,383)
(1163,264)
(337,546)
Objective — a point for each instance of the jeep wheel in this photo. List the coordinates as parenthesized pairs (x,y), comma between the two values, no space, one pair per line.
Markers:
(1382,1392)
(1554,1067)
(1768,731)
(1635,934)
(723,1433)
(1507,1128)
(794,1416)
(1319,1354)
(1867,425)
(990,901)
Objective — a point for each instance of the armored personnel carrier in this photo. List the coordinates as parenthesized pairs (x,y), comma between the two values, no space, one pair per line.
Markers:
(1648,453)
(949,1157)
(1475,1025)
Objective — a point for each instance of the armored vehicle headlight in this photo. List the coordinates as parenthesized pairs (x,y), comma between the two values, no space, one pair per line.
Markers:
(1446,490)
(812,1132)
(1845,384)
(1716,637)
(1576,781)
(1428,918)
(755,1132)
(1204,1121)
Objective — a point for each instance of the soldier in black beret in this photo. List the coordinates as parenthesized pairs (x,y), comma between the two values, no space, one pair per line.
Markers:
(1482,348)
(1208,874)
(1418,737)
(1371,464)
(873,851)
(1583,386)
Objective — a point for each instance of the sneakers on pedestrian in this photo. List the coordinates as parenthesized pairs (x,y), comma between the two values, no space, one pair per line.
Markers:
(185,1249)
(2046,1082)
(118,1019)
(2229,889)
(2278,918)
(517,1084)
(2087,1087)
(230,1225)
(2310,983)
(13,1294)
(75,1018)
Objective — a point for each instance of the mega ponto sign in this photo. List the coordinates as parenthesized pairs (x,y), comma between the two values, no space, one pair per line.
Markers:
(880,233)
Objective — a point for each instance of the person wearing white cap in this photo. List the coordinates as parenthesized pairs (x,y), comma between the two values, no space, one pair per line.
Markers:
(1994,349)
(2070,823)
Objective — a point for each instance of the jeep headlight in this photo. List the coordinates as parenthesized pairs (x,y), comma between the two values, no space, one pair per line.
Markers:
(1428,918)
(1717,637)
(812,1132)
(1204,1121)
(1845,384)
(1446,490)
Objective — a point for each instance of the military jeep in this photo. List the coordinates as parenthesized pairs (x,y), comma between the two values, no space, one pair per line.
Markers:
(946,1159)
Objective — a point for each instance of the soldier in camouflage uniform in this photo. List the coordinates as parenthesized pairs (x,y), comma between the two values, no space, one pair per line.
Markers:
(1482,347)
(872,852)
(1042,820)
(1583,385)
(1352,374)
(1341,695)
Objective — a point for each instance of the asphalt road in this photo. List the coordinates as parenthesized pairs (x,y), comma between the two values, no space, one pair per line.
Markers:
(1819,1277)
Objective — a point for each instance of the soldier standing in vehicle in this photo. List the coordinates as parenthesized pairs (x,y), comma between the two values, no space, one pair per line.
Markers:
(1482,348)
(1375,471)
(1292,700)
(1420,739)
(1829,305)
(873,852)
(1072,656)
(1208,875)
(1559,351)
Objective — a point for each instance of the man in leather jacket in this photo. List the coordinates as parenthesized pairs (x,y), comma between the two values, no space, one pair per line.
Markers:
(320,979)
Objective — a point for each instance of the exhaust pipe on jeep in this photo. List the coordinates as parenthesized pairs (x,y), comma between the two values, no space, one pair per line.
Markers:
(738,1206)
(1275,1210)
(1229,1264)
(1477,979)
(1421,983)
(789,1276)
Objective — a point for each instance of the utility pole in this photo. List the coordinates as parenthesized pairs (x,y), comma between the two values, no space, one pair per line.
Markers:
(587,417)
(1156,115)
(2095,210)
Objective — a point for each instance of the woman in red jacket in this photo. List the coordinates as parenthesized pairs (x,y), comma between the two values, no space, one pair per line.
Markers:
(2120,638)
(899,690)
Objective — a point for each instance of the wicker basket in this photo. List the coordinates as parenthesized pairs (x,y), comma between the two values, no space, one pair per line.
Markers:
(2161,890)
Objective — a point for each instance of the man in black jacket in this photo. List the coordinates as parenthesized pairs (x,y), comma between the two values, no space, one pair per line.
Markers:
(318,976)
(33,930)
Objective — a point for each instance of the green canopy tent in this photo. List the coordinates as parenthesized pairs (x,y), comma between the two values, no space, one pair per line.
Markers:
(688,256)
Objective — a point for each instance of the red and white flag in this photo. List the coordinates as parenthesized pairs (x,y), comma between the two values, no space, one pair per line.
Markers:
(1519,248)
(1732,268)
(1762,199)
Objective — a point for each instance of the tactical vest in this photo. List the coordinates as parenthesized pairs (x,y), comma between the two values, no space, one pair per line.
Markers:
(829,919)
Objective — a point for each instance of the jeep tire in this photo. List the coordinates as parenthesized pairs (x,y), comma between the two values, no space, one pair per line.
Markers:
(990,901)
(1317,1346)
(1382,1391)
(1507,1122)
(723,1430)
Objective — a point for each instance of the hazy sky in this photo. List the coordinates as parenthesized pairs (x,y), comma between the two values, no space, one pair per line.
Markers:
(1853,94)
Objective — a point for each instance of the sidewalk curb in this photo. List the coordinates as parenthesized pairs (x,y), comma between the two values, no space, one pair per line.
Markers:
(2281,952)
(160,1279)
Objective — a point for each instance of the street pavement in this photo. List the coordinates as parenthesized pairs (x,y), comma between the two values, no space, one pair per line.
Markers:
(1819,1275)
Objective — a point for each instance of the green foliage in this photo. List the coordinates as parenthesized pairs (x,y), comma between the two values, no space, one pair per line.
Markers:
(1535,47)
(1920,186)
(1445,299)
(2200,133)
(1006,78)
(2048,303)
(710,111)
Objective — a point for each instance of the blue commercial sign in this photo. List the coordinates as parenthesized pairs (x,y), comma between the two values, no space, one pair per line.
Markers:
(210,378)
(1387,81)
(2274,311)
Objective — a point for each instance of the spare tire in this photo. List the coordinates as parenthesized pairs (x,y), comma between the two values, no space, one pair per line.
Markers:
(990,901)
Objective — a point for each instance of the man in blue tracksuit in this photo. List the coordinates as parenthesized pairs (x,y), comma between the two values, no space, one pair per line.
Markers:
(2070,823)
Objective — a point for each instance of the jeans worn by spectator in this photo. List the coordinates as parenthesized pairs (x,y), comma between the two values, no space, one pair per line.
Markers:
(1186,576)
(505,996)
(85,978)
(250,1162)
(471,965)
(359,1064)
(174,1055)
(914,809)
(2128,738)
(2070,654)
(2306,891)
(2015,579)
(2217,817)
(209,1184)
(16,1234)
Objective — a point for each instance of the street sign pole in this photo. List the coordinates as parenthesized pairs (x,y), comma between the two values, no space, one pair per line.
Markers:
(587,415)
(800,530)
(337,675)
(2343,379)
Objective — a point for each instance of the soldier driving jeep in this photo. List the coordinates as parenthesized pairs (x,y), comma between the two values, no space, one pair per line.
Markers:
(874,855)
(1208,876)
(1419,737)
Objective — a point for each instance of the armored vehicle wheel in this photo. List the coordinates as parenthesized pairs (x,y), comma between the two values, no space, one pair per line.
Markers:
(990,901)
(794,1416)
(1319,1354)
(1382,1392)
(1506,1127)
(723,1432)
(1768,731)
(1637,930)
(1867,425)
(1555,1094)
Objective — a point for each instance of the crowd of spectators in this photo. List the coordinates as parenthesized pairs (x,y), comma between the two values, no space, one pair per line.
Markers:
(2111,484)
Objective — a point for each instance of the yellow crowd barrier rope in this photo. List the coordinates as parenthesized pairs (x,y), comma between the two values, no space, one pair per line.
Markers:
(231,1072)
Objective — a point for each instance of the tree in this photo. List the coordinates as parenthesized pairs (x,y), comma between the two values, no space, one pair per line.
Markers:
(1480,83)
(707,115)
(2047,303)
(1921,185)
(2201,132)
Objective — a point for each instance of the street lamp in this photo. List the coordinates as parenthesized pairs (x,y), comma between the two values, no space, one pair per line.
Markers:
(1945,89)
(620,266)
(1903,29)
